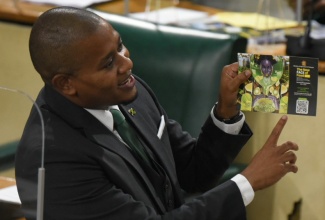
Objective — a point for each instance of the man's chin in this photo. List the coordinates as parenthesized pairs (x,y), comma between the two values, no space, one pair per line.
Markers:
(134,97)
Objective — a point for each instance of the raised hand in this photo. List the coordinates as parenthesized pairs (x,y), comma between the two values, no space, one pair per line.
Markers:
(272,161)
(229,86)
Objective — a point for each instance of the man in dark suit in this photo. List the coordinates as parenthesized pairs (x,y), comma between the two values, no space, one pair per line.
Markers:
(93,173)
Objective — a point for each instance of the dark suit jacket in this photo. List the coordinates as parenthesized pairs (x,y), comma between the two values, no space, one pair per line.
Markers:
(91,175)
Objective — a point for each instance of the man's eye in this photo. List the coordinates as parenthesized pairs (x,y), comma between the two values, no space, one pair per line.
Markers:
(109,62)
(120,47)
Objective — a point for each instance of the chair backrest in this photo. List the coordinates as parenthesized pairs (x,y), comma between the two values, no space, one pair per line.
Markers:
(181,65)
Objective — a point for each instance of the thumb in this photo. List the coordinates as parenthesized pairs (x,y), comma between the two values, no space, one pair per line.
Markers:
(276,132)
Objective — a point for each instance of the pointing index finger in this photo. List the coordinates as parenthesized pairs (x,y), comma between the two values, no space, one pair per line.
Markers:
(276,132)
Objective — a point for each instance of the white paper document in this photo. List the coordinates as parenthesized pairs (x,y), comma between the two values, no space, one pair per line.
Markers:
(170,15)
(10,195)
(72,3)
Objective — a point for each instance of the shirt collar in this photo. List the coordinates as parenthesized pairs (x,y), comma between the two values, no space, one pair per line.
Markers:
(104,116)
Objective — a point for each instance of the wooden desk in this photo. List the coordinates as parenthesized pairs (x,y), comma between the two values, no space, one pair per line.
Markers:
(6,182)
(25,12)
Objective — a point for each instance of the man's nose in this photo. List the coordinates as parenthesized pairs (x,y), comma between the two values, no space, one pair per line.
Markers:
(125,64)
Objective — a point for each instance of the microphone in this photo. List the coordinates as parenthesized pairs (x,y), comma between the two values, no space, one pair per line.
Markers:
(41,170)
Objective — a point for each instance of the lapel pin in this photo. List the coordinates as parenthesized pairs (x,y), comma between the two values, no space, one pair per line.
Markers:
(132,111)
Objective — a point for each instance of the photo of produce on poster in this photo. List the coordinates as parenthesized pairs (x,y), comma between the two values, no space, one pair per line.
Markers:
(279,84)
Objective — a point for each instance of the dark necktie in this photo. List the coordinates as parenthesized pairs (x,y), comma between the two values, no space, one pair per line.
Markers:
(129,135)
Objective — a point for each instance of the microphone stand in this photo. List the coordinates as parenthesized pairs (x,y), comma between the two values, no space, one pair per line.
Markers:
(41,170)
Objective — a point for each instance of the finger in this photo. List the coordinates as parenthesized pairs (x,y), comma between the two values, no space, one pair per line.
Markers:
(291,168)
(275,134)
(234,66)
(293,160)
(240,79)
(231,70)
(288,146)
(289,157)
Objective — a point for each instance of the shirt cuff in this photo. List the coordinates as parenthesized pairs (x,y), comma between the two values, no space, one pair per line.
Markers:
(245,188)
(228,128)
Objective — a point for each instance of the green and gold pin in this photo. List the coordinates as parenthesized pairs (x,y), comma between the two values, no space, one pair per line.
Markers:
(132,111)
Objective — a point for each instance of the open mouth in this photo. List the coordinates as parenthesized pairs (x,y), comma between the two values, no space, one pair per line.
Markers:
(128,82)
(125,81)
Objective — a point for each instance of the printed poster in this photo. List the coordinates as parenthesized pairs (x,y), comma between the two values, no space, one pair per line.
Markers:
(279,84)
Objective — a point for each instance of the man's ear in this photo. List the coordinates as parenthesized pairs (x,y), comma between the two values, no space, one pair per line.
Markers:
(63,83)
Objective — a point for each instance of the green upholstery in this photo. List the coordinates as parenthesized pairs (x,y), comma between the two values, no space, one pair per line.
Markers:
(182,66)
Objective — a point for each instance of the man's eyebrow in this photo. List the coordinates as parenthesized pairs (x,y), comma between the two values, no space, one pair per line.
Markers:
(110,54)
(119,38)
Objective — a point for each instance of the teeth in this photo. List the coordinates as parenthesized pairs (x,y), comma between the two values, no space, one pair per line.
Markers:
(126,81)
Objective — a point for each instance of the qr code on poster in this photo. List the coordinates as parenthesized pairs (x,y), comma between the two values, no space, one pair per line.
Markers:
(302,106)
